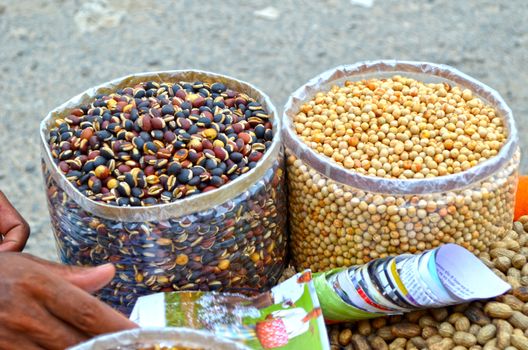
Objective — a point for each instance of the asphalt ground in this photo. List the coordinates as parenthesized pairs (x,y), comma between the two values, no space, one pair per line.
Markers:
(52,50)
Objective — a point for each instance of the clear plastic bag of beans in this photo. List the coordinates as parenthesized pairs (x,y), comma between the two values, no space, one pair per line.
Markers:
(341,217)
(231,238)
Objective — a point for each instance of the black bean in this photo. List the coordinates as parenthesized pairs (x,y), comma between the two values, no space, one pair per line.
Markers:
(217,171)
(174,168)
(210,164)
(236,157)
(124,189)
(195,181)
(203,122)
(107,152)
(88,166)
(185,176)
(167,109)
(217,181)
(123,201)
(218,87)
(103,135)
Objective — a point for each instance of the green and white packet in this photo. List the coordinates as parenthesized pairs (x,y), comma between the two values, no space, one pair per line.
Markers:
(447,275)
(287,317)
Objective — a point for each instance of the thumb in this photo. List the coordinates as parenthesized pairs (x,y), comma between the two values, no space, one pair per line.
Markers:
(90,279)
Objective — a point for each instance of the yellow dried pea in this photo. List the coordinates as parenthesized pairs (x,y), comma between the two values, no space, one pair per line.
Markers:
(401,128)
(405,129)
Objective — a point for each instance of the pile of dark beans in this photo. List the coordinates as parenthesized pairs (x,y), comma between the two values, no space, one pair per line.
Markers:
(154,143)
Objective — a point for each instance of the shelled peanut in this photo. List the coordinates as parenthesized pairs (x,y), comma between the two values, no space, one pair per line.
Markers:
(499,323)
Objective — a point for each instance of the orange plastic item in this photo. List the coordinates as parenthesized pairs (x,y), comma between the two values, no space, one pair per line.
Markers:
(521,198)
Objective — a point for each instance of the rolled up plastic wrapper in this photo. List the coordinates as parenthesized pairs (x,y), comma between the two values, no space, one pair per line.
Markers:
(288,316)
(153,338)
(446,275)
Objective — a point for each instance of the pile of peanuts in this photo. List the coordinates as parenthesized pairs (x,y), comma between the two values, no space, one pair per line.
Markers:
(401,129)
(500,323)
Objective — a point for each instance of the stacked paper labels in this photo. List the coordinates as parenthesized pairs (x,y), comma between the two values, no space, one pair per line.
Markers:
(443,276)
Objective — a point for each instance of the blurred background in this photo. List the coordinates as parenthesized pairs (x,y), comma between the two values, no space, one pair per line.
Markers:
(52,50)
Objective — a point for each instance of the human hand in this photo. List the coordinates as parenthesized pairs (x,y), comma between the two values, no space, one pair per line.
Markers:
(46,306)
(14,230)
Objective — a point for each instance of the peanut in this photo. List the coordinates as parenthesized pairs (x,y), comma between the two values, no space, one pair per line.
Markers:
(474,329)
(446,329)
(511,301)
(439,314)
(427,321)
(464,338)
(334,336)
(377,343)
(498,310)
(419,342)
(497,252)
(502,263)
(462,324)
(444,344)
(521,293)
(486,333)
(519,320)
(504,329)
(491,345)
(364,327)
(386,333)
(345,336)
(519,341)
(434,339)
(454,317)
(398,344)
(414,316)
(518,261)
(476,315)
(406,330)
(359,342)
(429,331)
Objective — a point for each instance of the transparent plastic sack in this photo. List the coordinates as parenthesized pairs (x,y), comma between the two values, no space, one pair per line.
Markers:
(137,339)
(342,218)
(232,238)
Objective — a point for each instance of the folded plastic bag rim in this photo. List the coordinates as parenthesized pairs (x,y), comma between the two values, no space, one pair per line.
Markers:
(166,336)
(387,68)
(180,207)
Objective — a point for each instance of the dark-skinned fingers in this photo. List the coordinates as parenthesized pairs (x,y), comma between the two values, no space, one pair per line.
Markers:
(84,312)
(36,324)
(54,334)
(90,279)
(17,343)
(14,229)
